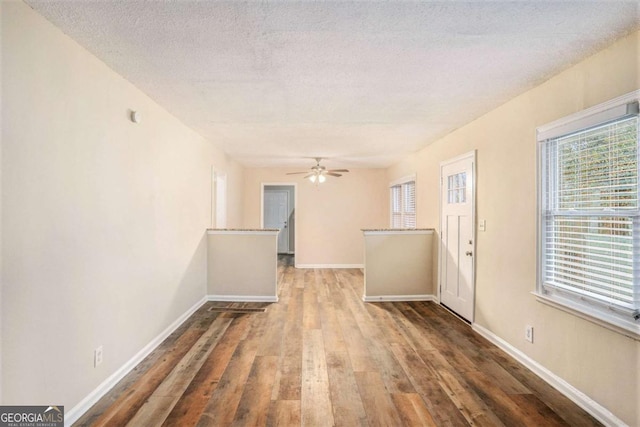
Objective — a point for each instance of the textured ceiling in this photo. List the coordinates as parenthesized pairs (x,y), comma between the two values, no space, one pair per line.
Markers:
(363,83)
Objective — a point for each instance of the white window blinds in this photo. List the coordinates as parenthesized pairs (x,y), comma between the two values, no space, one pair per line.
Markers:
(590,229)
(396,207)
(403,205)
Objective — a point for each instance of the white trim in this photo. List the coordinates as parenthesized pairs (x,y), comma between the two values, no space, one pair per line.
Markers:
(337,266)
(85,404)
(543,132)
(213,196)
(598,411)
(403,180)
(242,298)
(395,231)
(254,232)
(611,321)
(398,298)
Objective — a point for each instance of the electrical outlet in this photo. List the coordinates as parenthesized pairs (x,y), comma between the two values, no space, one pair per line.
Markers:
(528,334)
(97,356)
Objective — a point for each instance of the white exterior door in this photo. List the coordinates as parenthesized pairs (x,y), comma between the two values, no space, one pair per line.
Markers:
(276,215)
(457,244)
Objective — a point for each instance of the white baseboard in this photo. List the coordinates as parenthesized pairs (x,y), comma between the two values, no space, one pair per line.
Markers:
(398,298)
(329,265)
(242,298)
(598,411)
(85,404)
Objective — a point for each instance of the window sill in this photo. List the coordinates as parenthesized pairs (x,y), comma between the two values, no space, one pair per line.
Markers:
(609,321)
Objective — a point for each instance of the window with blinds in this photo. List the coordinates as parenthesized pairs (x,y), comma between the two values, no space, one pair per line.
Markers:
(590,215)
(403,205)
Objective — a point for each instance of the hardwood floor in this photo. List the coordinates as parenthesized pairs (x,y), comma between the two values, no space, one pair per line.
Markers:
(320,356)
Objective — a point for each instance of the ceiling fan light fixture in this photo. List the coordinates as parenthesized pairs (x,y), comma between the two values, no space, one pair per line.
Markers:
(318,174)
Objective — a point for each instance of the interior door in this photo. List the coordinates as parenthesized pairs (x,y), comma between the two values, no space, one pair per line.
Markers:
(457,248)
(276,215)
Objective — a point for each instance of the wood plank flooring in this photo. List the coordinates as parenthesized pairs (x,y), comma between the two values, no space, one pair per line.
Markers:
(322,357)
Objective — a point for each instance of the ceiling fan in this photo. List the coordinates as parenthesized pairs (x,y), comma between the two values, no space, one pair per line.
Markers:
(318,174)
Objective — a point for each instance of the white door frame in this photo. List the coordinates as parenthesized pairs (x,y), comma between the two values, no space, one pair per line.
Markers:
(218,214)
(472,155)
(295,209)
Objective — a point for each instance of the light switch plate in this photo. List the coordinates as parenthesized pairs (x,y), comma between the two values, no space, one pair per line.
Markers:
(482,225)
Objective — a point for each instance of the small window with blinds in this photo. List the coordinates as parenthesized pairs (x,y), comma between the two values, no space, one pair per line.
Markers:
(590,215)
(403,204)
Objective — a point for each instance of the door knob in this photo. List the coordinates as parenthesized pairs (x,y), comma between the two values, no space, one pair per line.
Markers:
(469,253)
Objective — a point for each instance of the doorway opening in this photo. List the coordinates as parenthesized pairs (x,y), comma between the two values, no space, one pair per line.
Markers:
(279,211)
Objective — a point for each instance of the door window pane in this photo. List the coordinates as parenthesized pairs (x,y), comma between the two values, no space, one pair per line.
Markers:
(457,188)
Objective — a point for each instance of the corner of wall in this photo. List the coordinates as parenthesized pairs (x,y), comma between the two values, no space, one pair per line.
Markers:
(236,204)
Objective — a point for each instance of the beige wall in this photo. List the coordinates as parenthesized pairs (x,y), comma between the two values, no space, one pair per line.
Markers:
(397,264)
(103,227)
(329,216)
(595,360)
(242,264)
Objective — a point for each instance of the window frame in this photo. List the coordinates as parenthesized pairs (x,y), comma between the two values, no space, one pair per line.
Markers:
(608,315)
(400,183)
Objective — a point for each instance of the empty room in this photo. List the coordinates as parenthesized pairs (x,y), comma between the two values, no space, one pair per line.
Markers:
(382,213)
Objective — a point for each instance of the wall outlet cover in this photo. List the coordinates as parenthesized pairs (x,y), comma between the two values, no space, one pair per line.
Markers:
(97,356)
(528,335)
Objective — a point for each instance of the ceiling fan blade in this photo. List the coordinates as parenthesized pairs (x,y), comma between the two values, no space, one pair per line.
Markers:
(296,173)
(333,174)
(338,170)
(309,176)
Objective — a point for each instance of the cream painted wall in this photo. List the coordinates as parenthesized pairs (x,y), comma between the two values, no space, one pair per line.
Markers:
(103,220)
(595,360)
(242,264)
(396,264)
(328,216)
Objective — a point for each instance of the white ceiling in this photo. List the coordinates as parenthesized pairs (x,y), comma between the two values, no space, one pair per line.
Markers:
(363,83)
